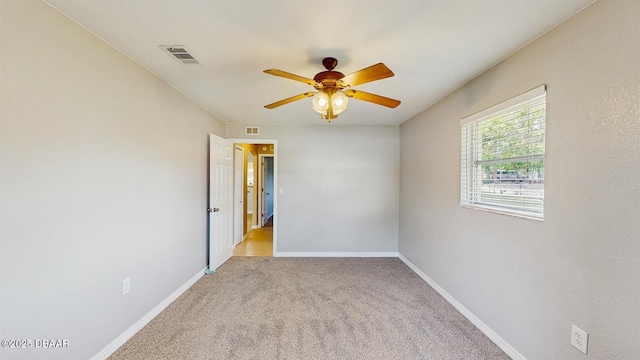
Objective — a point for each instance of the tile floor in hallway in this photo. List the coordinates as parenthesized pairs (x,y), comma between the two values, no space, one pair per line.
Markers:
(259,242)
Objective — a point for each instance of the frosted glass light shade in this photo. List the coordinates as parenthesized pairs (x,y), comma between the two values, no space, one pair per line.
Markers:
(329,103)
(320,103)
(339,102)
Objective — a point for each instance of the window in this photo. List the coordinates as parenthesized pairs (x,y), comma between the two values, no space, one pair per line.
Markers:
(502,167)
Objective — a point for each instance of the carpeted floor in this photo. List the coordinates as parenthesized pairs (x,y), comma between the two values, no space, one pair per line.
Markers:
(310,308)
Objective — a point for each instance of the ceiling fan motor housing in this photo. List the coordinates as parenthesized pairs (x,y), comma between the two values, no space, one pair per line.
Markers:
(328,78)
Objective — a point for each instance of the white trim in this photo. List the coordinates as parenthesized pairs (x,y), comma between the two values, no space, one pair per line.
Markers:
(242,194)
(128,334)
(254,141)
(540,90)
(502,344)
(334,254)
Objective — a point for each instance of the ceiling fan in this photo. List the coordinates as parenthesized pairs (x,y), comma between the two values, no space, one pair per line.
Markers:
(334,88)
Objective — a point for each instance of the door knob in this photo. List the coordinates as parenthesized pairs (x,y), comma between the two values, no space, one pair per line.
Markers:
(213,210)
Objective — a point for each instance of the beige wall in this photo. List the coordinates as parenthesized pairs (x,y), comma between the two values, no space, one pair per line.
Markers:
(526,280)
(340,187)
(103,177)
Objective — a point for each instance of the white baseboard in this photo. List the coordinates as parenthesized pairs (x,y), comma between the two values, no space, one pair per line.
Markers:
(334,254)
(124,337)
(513,353)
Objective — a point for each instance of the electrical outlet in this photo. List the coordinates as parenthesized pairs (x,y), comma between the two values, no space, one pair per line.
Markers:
(126,286)
(579,338)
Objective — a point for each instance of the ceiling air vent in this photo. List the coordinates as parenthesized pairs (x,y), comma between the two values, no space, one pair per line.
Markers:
(179,53)
(251,130)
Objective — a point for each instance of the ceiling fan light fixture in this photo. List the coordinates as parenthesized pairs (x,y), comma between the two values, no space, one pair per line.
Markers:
(329,103)
(339,102)
(320,103)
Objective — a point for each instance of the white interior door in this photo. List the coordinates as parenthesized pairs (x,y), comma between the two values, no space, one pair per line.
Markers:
(238,194)
(220,201)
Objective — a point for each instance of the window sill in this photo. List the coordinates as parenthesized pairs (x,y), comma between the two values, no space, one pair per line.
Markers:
(501,212)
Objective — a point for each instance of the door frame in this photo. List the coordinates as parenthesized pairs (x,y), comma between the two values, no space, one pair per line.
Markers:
(273,142)
(276,189)
(241,188)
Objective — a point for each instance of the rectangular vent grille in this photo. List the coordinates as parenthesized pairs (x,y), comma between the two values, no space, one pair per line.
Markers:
(180,53)
(251,130)
(184,56)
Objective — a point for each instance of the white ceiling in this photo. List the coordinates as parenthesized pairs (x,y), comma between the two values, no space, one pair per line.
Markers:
(432,46)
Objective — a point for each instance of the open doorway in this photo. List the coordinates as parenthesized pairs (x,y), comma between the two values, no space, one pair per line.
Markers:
(266,189)
(259,205)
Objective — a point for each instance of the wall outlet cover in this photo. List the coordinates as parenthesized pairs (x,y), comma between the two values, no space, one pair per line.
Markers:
(126,286)
(579,338)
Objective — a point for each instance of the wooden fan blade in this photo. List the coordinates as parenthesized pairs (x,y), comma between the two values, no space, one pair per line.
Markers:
(284,74)
(376,99)
(288,100)
(371,73)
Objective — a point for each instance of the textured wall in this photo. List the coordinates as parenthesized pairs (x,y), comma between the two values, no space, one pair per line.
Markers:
(340,187)
(103,176)
(529,280)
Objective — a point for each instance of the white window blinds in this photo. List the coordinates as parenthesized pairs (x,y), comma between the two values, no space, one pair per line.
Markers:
(502,164)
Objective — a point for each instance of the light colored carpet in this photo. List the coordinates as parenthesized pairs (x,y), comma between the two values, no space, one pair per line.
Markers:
(310,308)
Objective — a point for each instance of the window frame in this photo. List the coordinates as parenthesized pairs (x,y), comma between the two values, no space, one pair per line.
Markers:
(471,172)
